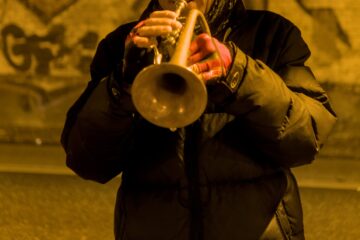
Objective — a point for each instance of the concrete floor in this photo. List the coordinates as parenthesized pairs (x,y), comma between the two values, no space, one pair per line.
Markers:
(63,207)
(54,207)
(42,200)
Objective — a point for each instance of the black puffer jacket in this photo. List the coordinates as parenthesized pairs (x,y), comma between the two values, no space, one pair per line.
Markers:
(224,176)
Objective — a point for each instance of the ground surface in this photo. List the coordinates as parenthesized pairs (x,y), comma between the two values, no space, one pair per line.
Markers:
(42,200)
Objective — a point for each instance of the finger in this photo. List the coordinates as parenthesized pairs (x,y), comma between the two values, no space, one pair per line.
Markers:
(144,42)
(205,66)
(198,43)
(163,14)
(194,46)
(153,31)
(175,25)
(133,32)
(197,57)
(201,48)
(202,42)
(214,73)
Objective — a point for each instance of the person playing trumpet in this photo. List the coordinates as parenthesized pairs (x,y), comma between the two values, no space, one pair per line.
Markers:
(227,175)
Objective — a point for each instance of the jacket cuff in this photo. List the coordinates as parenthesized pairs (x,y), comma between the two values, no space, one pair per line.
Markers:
(229,85)
(237,70)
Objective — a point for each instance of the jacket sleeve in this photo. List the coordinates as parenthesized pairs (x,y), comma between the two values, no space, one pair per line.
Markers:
(99,142)
(287,112)
(97,132)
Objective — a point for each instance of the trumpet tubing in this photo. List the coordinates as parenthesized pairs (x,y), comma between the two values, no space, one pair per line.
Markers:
(169,94)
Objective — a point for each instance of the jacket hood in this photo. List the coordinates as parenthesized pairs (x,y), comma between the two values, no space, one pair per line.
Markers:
(219,15)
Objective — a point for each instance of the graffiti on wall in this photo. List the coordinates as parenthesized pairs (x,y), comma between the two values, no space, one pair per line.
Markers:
(325,17)
(46,11)
(40,53)
(327,33)
(46,50)
(33,93)
(25,52)
(328,19)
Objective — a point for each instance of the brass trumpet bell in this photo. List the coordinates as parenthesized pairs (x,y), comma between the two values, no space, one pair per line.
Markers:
(169,95)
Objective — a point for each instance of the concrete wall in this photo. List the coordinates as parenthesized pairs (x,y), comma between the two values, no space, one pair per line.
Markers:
(331,30)
(45,52)
(46,49)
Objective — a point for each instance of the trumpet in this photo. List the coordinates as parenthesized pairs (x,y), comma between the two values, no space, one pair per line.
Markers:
(169,94)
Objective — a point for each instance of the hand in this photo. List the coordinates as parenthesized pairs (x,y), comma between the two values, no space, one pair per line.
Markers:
(209,58)
(160,23)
